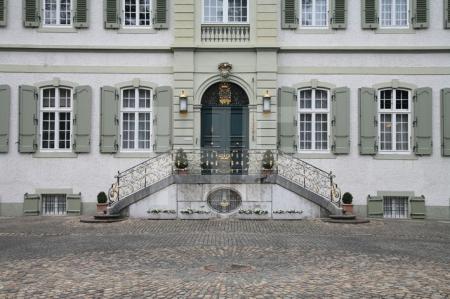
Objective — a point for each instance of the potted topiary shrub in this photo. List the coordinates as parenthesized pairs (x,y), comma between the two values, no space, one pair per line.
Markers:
(181,162)
(347,200)
(102,203)
(268,161)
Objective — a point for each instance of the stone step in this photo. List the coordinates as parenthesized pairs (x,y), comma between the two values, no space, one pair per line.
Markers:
(354,221)
(343,217)
(103,219)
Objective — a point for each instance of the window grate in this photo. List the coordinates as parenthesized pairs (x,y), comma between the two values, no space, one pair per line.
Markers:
(395,207)
(54,205)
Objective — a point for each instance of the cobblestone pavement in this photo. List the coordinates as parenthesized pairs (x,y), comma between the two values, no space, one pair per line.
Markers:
(60,257)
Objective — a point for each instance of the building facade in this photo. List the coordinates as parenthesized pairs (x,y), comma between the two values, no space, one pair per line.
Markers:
(358,88)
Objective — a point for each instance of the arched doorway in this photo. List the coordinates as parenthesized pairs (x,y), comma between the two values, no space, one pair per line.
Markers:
(225,126)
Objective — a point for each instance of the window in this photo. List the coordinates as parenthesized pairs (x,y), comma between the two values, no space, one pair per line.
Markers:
(225,11)
(314,13)
(56,116)
(395,120)
(57,12)
(137,13)
(395,206)
(394,13)
(136,119)
(314,110)
(53,204)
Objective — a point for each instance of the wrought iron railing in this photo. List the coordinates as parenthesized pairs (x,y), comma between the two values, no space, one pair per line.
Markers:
(226,162)
(141,176)
(224,33)
(308,176)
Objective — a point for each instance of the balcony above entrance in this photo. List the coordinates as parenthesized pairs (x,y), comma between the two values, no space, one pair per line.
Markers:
(225,33)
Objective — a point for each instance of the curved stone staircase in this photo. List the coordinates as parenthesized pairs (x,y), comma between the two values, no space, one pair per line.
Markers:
(289,172)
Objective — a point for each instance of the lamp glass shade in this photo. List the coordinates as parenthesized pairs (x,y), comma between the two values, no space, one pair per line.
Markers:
(266,104)
(183,105)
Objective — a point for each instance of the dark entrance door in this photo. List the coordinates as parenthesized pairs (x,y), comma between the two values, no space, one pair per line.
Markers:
(224,130)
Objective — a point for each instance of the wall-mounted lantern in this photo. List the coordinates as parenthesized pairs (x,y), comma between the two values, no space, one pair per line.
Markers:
(267,102)
(183,102)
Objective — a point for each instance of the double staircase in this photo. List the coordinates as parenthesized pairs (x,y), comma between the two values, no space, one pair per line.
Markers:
(239,166)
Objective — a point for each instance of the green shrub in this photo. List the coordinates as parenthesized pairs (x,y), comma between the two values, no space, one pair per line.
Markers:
(102,198)
(347,198)
(268,160)
(181,161)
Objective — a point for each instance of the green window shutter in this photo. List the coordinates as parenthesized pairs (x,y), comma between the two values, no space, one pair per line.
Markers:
(5,102)
(111,10)
(369,14)
(341,120)
(339,14)
(445,121)
(31,204)
(287,120)
(420,14)
(375,206)
(417,207)
(289,14)
(163,119)
(3,12)
(368,122)
(31,13)
(423,124)
(81,18)
(82,119)
(28,119)
(73,206)
(447,14)
(161,18)
(109,125)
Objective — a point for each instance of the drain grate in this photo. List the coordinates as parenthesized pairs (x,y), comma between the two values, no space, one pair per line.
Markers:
(229,268)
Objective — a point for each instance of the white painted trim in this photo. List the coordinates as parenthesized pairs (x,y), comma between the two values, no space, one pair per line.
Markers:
(225,15)
(313,27)
(136,27)
(58,16)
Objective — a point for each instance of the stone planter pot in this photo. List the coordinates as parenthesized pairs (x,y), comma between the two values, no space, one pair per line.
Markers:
(287,216)
(182,171)
(102,208)
(194,216)
(347,209)
(266,172)
(162,216)
(253,216)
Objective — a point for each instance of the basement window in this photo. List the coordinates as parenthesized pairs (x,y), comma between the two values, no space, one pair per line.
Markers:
(395,207)
(54,204)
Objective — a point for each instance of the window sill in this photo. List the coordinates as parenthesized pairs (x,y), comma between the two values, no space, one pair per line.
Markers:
(395,31)
(145,155)
(395,157)
(136,31)
(315,31)
(57,30)
(54,155)
(315,156)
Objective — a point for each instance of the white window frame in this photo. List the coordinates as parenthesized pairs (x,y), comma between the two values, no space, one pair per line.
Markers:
(225,14)
(58,15)
(137,26)
(394,112)
(313,111)
(57,110)
(393,15)
(314,16)
(136,112)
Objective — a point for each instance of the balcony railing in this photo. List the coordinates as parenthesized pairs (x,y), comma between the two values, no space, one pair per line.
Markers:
(225,33)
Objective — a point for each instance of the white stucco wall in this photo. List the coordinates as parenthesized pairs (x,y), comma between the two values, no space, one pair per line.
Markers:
(95,35)
(353,35)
